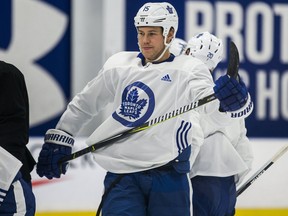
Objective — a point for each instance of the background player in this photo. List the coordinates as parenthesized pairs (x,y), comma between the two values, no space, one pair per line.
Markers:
(14,134)
(178,46)
(226,155)
(14,117)
(153,165)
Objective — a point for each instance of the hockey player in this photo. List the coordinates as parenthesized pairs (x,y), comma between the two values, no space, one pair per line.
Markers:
(14,133)
(226,155)
(152,165)
(16,197)
(14,117)
(178,46)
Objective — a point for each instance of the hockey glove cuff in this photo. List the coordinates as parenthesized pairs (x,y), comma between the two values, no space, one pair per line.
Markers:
(231,93)
(57,144)
(244,111)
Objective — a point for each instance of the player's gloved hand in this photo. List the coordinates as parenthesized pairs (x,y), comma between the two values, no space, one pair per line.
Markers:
(57,144)
(231,93)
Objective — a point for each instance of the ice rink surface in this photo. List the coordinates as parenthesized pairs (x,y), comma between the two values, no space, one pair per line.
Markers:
(270,190)
(81,188)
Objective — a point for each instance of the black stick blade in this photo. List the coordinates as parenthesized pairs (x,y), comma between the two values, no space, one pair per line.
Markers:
(233,64)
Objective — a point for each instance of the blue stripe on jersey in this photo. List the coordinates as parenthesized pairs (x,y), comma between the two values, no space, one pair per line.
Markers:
(2,195)
(177,135)
(182,134)
(186,134)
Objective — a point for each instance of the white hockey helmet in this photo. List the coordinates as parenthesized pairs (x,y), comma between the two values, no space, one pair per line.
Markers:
(178,46)
(206,47)
(157,14)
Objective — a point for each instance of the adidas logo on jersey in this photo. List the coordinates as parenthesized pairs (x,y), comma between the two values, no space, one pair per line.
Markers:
(166,78)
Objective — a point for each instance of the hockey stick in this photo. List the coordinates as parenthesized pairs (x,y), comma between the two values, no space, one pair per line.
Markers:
(233,64)
(232,70)
(142,127)
(266,166)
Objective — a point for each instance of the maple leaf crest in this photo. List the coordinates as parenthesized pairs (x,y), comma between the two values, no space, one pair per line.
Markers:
(131,107)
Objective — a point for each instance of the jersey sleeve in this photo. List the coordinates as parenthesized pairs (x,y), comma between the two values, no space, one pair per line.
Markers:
(245,150)
(9,167)
(95,96)
(202,84)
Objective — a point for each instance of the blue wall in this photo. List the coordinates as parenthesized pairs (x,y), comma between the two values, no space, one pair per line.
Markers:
(259,29)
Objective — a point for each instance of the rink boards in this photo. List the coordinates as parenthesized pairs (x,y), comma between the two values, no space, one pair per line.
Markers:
(80,190)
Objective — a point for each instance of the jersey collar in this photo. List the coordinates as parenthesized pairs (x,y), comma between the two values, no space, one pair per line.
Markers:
(141,56)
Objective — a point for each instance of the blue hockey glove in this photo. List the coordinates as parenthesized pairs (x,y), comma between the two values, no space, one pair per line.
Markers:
(231,93)
(57,144)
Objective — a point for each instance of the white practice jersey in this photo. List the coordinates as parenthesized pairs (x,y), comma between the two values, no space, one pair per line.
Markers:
(9,167)
(226,150)
(139,94)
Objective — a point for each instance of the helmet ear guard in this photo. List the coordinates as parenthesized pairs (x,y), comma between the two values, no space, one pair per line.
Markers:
(206,47)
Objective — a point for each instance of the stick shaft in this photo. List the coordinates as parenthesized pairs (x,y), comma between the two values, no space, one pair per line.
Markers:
(142,127)
(266,166)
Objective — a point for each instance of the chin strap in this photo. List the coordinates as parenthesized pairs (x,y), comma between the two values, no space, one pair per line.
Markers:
(167,46)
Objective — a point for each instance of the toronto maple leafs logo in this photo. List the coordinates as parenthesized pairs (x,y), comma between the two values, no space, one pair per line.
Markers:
(131,106)
(169,9)
(137,105)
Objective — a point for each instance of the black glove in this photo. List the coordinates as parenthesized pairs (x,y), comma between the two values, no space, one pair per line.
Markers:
(231,93)
(57,144)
